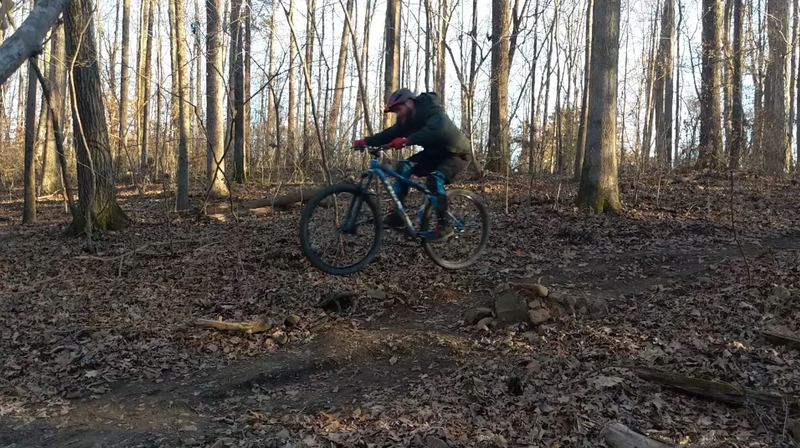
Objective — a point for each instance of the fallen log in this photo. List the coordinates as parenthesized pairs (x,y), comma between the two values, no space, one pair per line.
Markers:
(246,327)
(617,435)
(715,390)
(780,338)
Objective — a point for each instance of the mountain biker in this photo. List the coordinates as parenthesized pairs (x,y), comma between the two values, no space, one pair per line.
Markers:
(422,121)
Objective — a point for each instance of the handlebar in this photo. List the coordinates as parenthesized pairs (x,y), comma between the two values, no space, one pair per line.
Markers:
(375,151)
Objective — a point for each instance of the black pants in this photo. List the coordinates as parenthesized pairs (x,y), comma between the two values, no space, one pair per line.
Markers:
(440,169)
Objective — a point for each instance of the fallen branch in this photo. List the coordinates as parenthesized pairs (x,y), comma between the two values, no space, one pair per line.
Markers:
(617,435)
(246,327)
(139,249)
(780,339)
(716,390)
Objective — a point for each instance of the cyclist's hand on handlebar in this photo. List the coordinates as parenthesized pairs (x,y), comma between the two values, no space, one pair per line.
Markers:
(359,144)
(397,143)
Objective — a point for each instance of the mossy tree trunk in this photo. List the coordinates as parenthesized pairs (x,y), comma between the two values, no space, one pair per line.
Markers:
(97,206)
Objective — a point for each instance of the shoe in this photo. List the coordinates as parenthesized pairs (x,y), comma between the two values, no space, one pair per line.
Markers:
(393,221)
(442,232)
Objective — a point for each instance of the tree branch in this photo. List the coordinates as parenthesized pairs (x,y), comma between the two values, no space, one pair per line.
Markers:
(27,40)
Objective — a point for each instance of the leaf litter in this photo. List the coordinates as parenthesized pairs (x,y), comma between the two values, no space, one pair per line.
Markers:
(112,344)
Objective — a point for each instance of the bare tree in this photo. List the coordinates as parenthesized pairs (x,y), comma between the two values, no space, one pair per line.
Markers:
(182,97)
(599,190)
(290,129)
(29,207)
(664,85)
(581,145)
(333,116)
(310,26)
(57,82)
(215,127)
(775,114)
(237,84)
(498,114)
(146,83)
(710,131)
(97,206)
(737,112)
(391,78)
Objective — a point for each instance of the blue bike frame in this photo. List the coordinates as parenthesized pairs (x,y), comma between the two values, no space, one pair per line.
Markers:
(380,170)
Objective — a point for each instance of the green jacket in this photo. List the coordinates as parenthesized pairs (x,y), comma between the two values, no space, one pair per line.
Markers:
(428,126)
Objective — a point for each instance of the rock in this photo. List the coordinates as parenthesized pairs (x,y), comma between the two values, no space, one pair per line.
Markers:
(283,434)
(473,315)
(546,329)
(483,324)
(511,308)
(280,338)
(435,442)
(270,344)
(781,292)
(191,442)
(292,320)
(534,304)
(377,294)
(539,316)
(705,281)
(500,441)
(556,297)
(546,408)
(540,290)
(598,307)
(534,366)
(223,442)
(189,428)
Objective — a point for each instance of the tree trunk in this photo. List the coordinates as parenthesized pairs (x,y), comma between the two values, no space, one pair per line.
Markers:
(310,8)
(27,39)
(182,98)
(727,76)
(236,106)
(29,208)
(664,86)
(581,144)
(57,82)
(797,87)
(737,113)
(290,136)
(333,116)
(775,118)
(215,125)
(710,132)
(498,157)
(677,119)
(792,77)
(391,79)
(272,122)
(147,63)
(599,190)
(124,80)
(441,63)
(97,206)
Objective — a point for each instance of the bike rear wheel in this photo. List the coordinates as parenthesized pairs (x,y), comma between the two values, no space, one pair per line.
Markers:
(472,246)
(344,209)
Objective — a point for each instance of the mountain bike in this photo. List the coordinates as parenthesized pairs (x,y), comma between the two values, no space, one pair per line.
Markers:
(358,222)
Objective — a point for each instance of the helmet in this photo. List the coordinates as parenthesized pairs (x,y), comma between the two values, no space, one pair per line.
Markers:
(397,97)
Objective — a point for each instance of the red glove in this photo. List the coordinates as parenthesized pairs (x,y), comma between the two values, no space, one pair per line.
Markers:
(397,143)
(359,143)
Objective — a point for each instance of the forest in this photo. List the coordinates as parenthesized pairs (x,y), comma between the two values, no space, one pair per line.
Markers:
(637,163)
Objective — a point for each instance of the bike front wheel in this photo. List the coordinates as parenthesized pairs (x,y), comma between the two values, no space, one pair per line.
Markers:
(470,220)
(341,229)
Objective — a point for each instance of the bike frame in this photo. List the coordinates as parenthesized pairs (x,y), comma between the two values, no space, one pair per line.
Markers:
(383,172)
